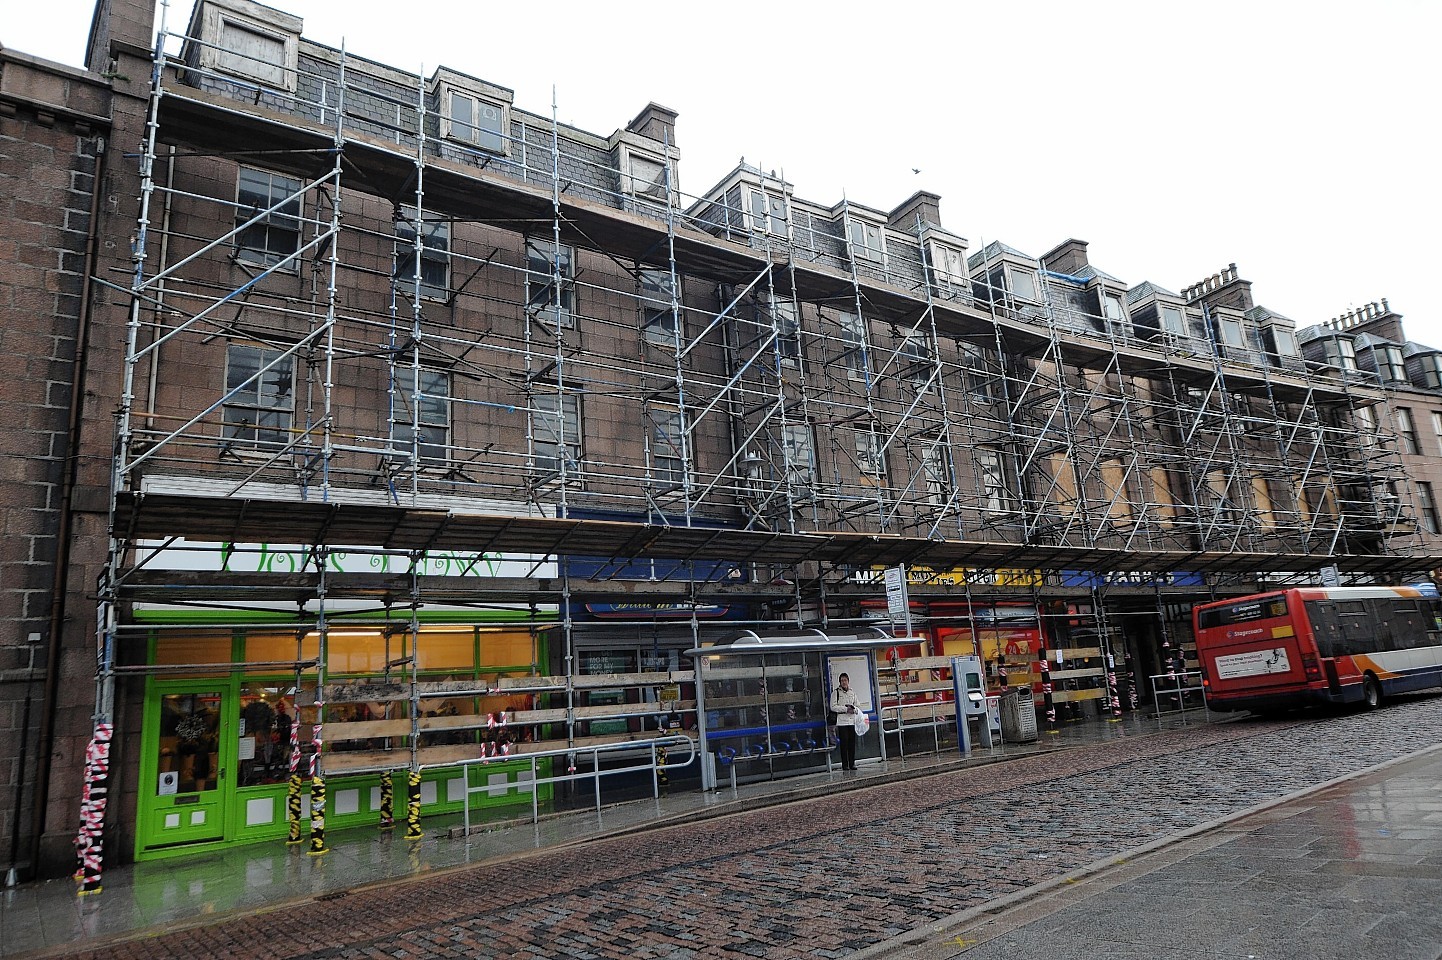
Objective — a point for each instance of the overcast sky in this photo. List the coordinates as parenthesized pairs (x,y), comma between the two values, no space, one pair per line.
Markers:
(1296,139)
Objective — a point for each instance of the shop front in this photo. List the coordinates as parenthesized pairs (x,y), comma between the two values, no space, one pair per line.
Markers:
(230,713)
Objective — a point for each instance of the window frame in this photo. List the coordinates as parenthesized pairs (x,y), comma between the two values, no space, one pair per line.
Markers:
(870,456)
(661,326)
(948,264)
(538,282)
(798,439)
(764,219)
(1427,501)
(266,359)
(786,317)
(402,440)
(668,470)
(996,493)
(482,138)
(866,240)
(279,221)
(855,350)
(430,253)
(1407,430)
(548,411)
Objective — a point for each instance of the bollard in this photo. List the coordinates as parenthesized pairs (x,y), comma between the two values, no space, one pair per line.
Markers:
(1046,689)
(388,793)
(317,817)
(413,805)
(292,807)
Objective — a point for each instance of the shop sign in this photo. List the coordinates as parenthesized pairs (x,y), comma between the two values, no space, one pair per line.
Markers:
(660,611)
(1131,578)
(954,577)
(290,558)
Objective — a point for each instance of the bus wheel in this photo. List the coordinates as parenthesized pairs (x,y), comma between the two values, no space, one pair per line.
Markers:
(1371,693)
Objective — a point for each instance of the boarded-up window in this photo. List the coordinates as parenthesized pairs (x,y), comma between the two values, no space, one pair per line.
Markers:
(250,52)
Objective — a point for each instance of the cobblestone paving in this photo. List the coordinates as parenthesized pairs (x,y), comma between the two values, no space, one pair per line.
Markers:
(826,877)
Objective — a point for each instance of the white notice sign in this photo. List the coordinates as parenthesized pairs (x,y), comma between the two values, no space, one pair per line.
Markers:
(898,604)
(1254,664)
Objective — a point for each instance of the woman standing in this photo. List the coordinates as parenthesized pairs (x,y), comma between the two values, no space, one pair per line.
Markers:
(847,709)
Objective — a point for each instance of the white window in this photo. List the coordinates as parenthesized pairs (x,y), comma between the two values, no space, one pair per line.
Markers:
(422,414)
(867,240)
(668,445)
(556,434)
(476,121)
(871,457)
(274,238)
(1024,284)
(660,314)
(853,342)
(800,453)
(768,213)
(1437,427)
(259,397)
(1112,308)
(435,259)
(1173,321)
(948,264)
(550,280)
(1230,330)
(995,496)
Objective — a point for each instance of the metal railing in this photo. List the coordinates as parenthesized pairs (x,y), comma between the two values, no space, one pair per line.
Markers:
(595,773)
(1177,688)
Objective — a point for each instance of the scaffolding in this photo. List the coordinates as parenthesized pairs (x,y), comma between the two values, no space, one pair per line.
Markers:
(401,337)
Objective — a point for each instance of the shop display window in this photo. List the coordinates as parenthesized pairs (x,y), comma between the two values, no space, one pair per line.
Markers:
(267,718)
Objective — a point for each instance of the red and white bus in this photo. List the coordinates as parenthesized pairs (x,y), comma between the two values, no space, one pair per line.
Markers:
(1317,645)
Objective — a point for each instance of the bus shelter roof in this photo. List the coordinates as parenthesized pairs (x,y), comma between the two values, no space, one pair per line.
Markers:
(750,643)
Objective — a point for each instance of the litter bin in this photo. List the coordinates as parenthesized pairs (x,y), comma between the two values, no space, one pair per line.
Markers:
(1018,715)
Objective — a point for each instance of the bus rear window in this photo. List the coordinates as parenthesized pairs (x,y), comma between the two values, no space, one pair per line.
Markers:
(1243,612)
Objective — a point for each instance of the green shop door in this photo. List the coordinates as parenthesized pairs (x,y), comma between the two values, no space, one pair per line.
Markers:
(185,775)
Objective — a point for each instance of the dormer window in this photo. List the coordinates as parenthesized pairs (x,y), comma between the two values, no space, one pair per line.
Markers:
(867,240)
(1388,360)
(1229,331)
(947,263)
(1338,352)
(1429,371)
(1023,284)
(646,176)
(1112,309)
(1173,320)
(768,213)
(475,120)
(262,47)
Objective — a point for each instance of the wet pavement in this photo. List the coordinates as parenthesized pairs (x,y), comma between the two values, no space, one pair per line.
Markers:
(824,866)
(1354,869)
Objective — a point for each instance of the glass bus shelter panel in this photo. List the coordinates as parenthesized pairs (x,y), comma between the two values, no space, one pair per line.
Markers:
(766,713)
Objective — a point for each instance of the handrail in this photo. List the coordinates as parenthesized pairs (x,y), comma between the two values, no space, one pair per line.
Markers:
(596,773)
(1178,690)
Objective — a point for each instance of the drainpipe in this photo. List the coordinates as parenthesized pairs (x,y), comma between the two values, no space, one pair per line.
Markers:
(59,577)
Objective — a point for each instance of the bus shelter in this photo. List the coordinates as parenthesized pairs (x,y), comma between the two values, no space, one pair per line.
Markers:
(763,701)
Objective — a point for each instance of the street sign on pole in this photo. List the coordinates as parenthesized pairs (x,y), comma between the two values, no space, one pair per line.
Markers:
(898,604)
